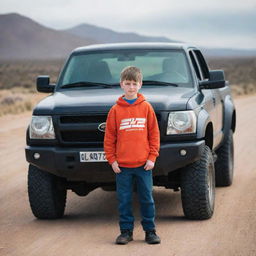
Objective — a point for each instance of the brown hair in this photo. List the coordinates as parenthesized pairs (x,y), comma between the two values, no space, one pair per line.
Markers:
(131,73)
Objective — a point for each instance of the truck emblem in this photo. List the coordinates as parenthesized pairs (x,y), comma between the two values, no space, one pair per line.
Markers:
(102,127)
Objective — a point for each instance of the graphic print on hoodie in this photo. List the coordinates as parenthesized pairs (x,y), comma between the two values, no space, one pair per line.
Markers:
(132,133)
(131,123)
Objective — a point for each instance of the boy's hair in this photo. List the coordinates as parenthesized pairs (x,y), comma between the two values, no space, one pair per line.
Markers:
(131,73)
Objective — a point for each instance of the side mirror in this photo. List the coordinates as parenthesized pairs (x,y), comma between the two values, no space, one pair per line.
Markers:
(216,75)
(217,80)
(43,84)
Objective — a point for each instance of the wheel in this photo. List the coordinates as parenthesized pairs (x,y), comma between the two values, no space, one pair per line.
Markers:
(47,195)
(224,166)
(198,187)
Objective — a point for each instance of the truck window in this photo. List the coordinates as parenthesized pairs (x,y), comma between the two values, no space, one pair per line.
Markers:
(195,66)
(203,65)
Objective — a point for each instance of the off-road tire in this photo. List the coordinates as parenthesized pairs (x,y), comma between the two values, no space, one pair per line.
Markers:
(224,166)
(198,187)
(46,194)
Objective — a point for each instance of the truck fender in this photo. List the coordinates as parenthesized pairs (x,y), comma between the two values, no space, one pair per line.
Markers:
(203,119)
(229,109)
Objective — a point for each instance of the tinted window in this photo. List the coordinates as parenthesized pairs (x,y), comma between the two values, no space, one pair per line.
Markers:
(203,65)
(194,63)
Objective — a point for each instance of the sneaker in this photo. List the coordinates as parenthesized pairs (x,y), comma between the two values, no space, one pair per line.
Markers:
(151,237)
(125,237)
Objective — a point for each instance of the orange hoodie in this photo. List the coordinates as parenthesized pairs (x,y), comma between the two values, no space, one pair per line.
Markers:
(132,134)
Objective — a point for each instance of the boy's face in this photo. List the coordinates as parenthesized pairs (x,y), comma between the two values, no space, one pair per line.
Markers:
(130,88)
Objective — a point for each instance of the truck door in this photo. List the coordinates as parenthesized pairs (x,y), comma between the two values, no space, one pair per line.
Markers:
(216,98)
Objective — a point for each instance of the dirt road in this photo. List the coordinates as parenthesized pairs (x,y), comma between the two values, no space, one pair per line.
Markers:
(90,224)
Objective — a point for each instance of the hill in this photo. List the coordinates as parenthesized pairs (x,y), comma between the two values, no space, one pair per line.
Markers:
(23,38)
(105,35)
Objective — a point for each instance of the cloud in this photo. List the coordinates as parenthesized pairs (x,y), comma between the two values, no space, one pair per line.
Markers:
(222,22)
(216,28)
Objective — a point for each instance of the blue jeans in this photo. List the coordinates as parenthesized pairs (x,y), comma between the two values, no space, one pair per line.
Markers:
(124,188)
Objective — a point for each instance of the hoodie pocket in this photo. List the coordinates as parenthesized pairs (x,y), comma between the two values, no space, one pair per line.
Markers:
(127,153)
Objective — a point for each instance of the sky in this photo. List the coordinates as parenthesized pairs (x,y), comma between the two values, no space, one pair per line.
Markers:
(210,23)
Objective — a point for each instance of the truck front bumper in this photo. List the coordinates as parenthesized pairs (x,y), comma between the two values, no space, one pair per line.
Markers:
(65,162)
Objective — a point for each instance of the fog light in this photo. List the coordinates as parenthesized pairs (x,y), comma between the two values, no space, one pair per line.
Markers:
(36,155)
(183,152)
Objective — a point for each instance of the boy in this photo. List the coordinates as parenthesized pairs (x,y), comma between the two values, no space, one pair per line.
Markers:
(131,145)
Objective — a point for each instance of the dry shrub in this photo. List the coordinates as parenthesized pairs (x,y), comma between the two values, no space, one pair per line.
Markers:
(23,74)
(237,90)
(16,101)
(16,108)
(239,71)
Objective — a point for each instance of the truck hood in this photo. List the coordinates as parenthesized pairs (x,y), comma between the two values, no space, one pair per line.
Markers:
(81,100)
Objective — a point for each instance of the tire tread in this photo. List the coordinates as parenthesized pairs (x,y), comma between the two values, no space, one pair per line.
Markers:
(47,201)
(194,191)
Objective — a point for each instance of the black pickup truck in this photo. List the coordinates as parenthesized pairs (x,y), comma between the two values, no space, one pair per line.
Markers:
(193,105)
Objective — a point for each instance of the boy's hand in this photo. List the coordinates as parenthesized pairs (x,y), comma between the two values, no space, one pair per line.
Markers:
(115,167)
(149,165)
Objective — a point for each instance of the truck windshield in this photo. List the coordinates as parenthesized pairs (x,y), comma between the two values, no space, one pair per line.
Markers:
(162,66)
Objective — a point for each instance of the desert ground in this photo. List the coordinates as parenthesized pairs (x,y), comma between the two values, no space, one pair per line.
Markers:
(90,224)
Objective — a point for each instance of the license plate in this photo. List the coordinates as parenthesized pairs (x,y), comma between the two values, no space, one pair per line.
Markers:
(94,156)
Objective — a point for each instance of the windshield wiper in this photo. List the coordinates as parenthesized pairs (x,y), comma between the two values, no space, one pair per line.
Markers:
(153,82)
(149,82)
(114,84)
(84,84)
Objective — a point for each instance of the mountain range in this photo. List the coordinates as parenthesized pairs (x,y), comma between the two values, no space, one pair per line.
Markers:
(24,38)
(104,35)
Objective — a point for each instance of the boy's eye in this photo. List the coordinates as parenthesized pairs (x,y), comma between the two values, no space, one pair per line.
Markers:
(131,84)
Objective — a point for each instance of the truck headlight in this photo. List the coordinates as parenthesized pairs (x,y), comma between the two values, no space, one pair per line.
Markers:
(181,122)
(41,127)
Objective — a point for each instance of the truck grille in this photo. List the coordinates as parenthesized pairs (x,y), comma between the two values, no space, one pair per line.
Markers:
(83,129)
(75,136)
(83,119)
